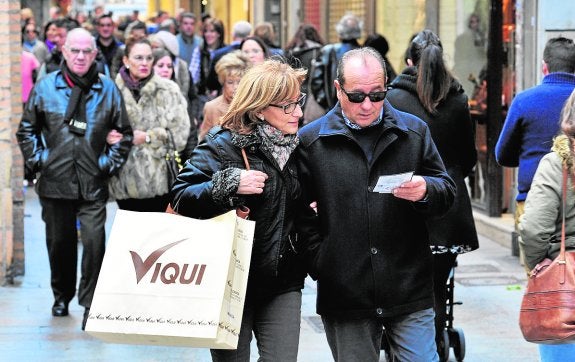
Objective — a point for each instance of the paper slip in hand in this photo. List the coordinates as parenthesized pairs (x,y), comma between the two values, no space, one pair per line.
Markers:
(386,184)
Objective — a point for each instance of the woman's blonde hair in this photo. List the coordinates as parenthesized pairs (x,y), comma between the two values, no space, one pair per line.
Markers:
(568,117)
(271,82)
(232,64)
(568,126)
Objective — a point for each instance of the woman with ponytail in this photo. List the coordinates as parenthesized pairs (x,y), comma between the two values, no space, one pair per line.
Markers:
(427,89)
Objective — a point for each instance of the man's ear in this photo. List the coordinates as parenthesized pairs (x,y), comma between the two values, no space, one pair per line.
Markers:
(409,62)
(544,68)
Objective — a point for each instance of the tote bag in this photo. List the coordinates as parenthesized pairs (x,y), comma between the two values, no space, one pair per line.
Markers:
(172,280)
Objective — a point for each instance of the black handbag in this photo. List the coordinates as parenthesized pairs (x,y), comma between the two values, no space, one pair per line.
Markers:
(173,160)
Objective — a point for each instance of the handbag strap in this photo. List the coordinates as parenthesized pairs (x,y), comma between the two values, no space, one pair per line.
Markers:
(563,208)
(171,142)
(561,259)
(245,157)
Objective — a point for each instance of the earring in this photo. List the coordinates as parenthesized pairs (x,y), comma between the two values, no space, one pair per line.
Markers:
(127,66)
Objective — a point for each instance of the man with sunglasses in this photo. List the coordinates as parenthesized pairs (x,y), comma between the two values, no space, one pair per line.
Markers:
(368,247)
(62,136)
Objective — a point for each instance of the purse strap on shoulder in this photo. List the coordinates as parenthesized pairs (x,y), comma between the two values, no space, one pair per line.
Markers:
(563,210)
(245,157)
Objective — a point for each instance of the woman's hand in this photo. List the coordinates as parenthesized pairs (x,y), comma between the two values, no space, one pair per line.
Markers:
(252,182)
(139,137)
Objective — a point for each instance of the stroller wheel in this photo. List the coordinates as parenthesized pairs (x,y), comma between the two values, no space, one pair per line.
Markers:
(443,346)
(458,343)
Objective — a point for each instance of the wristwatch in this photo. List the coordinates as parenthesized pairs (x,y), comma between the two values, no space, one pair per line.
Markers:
(148,139)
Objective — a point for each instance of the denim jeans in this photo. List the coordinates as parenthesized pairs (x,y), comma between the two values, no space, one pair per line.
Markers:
(411,337)
(276,326)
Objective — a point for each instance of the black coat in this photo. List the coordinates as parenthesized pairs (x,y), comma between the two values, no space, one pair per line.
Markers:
(369,251)
(275,267)
(73,167)
(453,132)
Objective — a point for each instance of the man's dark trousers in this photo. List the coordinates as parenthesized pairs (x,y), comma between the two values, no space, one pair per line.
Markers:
(62,242)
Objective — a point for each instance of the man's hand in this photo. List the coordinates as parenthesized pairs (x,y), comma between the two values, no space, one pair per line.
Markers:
(413,190)
(252,182)
(113,137)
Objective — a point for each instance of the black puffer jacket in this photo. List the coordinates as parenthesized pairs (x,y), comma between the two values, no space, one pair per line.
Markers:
(275,267)
(71,166)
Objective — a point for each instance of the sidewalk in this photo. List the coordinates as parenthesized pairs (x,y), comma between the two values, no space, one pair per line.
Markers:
(489,281)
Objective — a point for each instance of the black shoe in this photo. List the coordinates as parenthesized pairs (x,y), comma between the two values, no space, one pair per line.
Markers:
(86,315)
(60,309)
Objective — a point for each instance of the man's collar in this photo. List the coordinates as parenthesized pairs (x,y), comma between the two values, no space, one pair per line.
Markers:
(335,124)
(354,125)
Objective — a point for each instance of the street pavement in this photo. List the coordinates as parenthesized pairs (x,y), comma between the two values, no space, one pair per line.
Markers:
(489,282)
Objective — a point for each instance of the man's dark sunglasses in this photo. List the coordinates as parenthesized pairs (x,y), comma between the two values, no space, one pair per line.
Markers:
(359,97)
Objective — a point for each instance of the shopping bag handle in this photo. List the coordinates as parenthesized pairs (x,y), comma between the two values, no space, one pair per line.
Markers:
(242,212)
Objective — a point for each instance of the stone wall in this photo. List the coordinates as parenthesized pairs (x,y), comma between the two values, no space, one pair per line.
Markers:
(11,166)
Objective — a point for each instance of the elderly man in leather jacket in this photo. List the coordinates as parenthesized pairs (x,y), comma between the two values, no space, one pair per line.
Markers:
(62,136)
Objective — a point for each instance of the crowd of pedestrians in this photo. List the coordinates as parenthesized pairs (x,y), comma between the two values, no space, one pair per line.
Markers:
(123,92)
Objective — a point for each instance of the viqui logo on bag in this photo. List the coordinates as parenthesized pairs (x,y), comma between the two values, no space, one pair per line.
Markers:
(169,273)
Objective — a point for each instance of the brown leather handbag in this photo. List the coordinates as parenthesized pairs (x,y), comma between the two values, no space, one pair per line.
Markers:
(241,211)
(547,313)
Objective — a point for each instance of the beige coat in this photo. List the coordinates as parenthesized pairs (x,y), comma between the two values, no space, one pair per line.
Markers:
(540,225)
(161,106)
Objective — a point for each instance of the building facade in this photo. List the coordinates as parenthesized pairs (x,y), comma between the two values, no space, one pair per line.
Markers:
(505,40)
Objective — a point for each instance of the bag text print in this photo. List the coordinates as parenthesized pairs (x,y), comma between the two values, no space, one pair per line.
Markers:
(168,273)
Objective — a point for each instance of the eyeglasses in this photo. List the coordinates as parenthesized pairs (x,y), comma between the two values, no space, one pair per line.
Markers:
(290,107)
(359,97)
(143,59)
(106,25)
(77,51)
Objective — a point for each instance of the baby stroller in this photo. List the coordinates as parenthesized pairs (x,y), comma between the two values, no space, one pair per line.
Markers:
(451,337)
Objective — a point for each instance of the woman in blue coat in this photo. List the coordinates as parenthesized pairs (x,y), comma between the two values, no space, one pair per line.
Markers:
(427,89)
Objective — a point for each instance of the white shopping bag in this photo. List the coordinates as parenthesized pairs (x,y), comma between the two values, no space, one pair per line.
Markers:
(172,280)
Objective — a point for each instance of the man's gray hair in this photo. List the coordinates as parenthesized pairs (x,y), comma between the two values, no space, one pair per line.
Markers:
(188,14)
(359,53)
(349,27)
(242,29)
(78,31)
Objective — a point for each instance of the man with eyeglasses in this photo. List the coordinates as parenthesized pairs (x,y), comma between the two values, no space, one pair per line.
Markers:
(54,62)
(375,177)
(62,135)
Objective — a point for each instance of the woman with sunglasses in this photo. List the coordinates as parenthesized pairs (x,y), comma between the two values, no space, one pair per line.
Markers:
(262,121)
(427,89)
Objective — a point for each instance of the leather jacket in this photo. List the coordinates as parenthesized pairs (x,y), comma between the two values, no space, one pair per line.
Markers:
(71,166)
(275,266)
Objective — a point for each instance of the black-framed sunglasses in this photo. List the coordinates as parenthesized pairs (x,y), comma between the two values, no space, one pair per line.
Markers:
(290,107)
(359,97)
